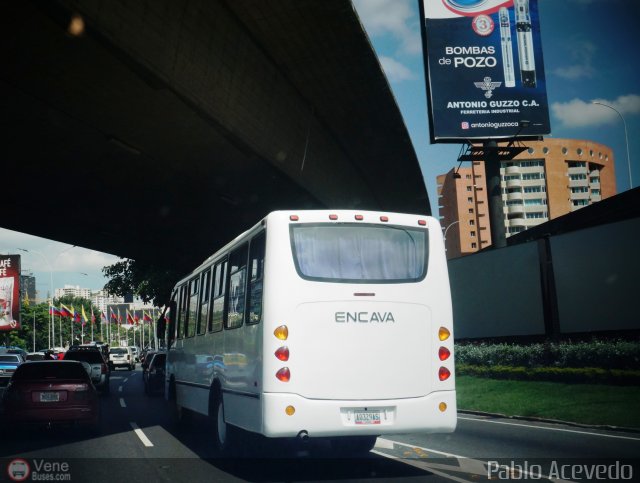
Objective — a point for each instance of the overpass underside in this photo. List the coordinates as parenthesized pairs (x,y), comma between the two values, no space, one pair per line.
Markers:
(168,127)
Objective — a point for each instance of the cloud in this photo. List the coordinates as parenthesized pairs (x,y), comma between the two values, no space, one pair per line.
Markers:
(581,52)
(579,113)
(391,17)
(396,71)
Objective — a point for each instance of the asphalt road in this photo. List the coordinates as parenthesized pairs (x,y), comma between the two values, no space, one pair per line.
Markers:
(139,442)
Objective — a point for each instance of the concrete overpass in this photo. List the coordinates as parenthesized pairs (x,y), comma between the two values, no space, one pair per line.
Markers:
(167,127)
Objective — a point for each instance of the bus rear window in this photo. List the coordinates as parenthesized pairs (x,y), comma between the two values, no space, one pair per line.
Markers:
(358,253)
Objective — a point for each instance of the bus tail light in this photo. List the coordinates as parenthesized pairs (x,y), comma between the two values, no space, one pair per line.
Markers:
(444,333)
(444,353)
(283,353)
(281,332)
(284,374)
(444,373)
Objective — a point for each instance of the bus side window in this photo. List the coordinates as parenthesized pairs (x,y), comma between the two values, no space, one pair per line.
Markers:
(217,311)
(256,279)
(237,284)
(182,314)
(203,315)
(192,307)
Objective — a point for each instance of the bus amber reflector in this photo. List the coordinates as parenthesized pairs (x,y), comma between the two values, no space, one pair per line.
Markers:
(443,353)
(284,374)
(422,222)
(442,407)
(283,353)
(281,332)
(290,410)
(443,333)
(294,218)
(333,217)
(444,373)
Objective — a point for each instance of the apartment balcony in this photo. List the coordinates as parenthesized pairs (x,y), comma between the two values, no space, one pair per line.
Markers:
(581,170)
(595,185)
(578,183)
(516,195)
(539,194)
(514,183)
(580,196)
(512,170)
(515,209)
(596,198)
(517,222)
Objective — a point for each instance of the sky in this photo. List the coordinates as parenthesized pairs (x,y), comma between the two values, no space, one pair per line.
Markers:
(590,53)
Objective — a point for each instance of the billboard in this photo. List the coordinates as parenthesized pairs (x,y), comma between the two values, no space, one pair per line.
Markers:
(9,292)
(485,72)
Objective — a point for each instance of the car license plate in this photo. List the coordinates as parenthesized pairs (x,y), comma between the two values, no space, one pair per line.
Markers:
(367,417)
(49,397)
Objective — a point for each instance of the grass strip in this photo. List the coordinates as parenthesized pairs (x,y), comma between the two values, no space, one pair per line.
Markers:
(579,403)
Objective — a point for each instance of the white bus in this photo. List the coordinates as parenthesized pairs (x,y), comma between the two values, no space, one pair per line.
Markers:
(318,324)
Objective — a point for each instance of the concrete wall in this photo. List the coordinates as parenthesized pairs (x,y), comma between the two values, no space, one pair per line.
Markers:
(595,273)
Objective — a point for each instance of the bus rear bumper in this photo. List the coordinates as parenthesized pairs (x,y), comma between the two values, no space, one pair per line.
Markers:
(322,418)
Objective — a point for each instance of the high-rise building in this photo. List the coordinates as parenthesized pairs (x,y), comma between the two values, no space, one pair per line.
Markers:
(74,291)
(28,287)
(102,299)
(550,179)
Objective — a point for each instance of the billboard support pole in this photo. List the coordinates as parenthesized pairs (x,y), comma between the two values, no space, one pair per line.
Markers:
(494,192)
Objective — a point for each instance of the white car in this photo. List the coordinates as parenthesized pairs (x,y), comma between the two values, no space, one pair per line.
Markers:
(122,357)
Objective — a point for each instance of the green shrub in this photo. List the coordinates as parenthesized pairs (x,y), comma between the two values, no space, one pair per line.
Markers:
(603,354)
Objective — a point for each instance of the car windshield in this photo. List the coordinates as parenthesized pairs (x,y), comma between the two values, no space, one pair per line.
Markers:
(118,351)
(9,358)
(49,370)
(92,357)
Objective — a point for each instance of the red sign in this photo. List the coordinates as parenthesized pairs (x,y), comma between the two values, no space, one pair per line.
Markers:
(9,292)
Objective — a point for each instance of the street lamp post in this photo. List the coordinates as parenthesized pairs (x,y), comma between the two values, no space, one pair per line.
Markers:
(445,233)
(626,137)
(52,331)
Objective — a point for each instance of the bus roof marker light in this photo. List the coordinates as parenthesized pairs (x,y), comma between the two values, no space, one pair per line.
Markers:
(281,332)
(282,353)
(422,222)
(333,217)
(443,374)
(294,217)
(359,217)
(284,374)
(384,218)
(443,333)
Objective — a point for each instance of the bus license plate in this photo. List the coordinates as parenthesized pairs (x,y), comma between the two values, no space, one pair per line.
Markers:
(49,397)
(367,417)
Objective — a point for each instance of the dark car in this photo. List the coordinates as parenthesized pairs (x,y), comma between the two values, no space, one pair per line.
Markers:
(153,373)
(8,365)
(100,373)
(52,392)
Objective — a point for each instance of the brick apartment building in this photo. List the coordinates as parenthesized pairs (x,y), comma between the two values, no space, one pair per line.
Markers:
(550,179)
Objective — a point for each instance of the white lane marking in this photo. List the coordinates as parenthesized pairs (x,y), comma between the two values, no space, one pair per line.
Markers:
(467,465)
(384,443)
(551,429)
(120,389)
(141,435)
(122,403)
(125,380)
(115,377)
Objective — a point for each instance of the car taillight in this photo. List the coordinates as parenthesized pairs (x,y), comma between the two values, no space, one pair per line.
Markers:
(444,353)
(444,374)
(284,374)
(283,353)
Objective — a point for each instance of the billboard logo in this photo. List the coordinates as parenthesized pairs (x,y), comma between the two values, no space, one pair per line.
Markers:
(487,86)
(465,4)
(482,25)
(464,125)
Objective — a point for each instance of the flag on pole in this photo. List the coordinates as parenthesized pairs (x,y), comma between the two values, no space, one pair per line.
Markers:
(85,319)
(136,317)
(54,311)
(73,313)
(103,316)
(65,311)
(129,318)
(119,317)
(113,314)
(145,316)
(93,317)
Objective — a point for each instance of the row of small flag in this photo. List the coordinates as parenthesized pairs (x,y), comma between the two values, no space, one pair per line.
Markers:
(81,316)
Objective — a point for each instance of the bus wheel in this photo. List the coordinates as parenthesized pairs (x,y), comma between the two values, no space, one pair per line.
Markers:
(223,432)
(353,445)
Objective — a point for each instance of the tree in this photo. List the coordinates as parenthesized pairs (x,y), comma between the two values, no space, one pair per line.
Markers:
(147,281)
